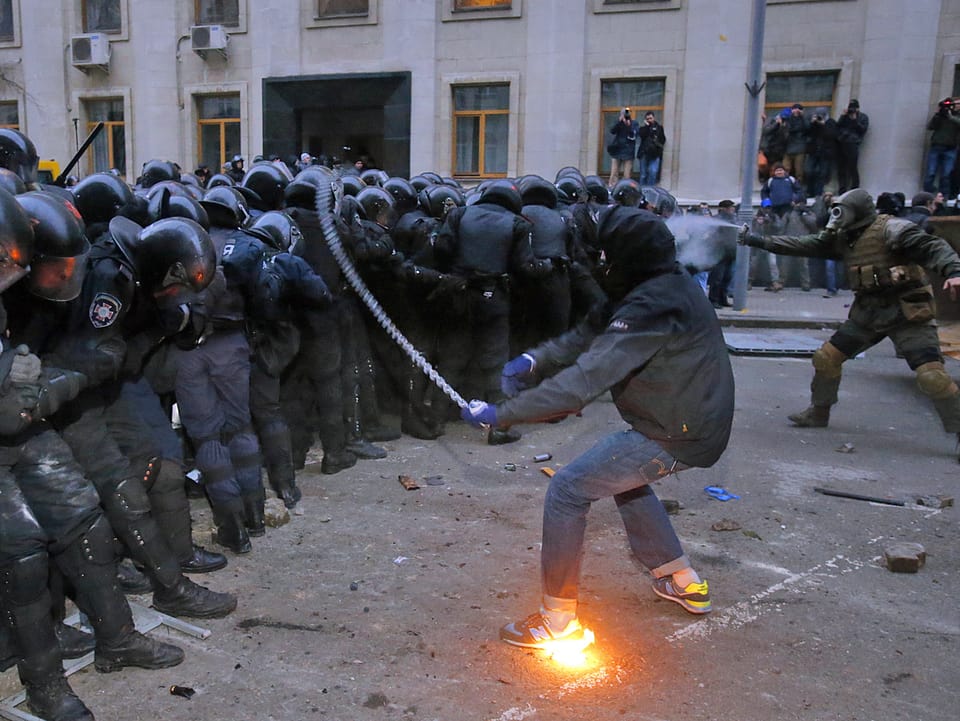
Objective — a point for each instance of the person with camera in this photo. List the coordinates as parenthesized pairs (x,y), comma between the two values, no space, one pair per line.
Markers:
(650,153)
(821,151)
(851,127)
(623,147)
(942,154)
(797,136)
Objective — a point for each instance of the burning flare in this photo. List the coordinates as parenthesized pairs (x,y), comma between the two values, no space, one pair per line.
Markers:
(570,653)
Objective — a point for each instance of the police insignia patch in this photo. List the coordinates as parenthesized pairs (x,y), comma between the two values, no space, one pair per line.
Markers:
(104,310)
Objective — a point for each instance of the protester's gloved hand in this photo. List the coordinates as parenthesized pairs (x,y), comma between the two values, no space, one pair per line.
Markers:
(25,367)
(746,237)
(518,375)
(479,414)
(827,235)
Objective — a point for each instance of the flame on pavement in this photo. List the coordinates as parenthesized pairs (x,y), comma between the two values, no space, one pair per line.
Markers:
(571,653)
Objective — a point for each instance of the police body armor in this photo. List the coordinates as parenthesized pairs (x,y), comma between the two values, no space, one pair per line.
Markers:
(872,268)
(224,302)
(485,240)
(550,232)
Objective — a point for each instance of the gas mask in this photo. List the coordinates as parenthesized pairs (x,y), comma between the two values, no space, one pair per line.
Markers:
(851,212)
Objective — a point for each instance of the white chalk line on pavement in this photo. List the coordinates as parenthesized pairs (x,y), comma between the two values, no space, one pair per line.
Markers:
(749,610)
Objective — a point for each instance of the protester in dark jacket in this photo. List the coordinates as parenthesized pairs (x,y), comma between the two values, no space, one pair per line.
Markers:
(661,354)
(623,147)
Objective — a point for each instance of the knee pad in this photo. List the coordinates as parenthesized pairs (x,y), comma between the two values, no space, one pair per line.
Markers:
(128,499)
(24,580)
(934,381)
(828,360)
(244,450)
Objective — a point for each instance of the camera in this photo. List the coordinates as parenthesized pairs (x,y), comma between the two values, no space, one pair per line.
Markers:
(626,113)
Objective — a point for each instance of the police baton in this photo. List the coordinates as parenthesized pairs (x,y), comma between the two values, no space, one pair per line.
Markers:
(62,178)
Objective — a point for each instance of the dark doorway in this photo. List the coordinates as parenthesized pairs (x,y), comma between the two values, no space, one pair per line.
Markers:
(342,116)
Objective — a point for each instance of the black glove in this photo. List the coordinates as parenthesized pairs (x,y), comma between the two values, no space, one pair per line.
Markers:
(747,237)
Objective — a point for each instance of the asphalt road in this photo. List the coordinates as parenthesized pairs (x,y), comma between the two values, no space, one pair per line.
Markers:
(380,603)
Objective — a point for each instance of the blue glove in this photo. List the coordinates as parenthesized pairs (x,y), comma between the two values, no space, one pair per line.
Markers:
(479,414)
(518,375)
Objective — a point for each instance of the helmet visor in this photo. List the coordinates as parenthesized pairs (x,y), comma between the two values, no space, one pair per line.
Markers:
(59,279)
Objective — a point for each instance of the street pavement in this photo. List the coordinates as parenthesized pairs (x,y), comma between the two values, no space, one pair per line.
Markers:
(375,602)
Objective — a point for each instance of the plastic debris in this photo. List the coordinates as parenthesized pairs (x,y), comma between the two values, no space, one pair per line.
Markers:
(182,691)
(720,493)
(510,467)
(548,472)
(542,457)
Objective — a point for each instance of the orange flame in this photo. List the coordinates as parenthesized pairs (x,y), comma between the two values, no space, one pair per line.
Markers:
(571,653)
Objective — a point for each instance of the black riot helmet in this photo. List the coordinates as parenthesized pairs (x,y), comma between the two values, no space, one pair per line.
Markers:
(378,205)
(352,185)
(627,193)
(16,240)
(597,189)
(432,177)
(226,207)
(11,182)
(503,193)
(535,190)
(659,200)
(420,182)
(569,171)
(98,197)
(156,171)
(373,176)
(437,200)
(268,181)
(404,194)
(302,191)
(571,189)
(60,246)
(219,179)
(350,210)
(19,154)
(164,204)
(170,254)
(278,230)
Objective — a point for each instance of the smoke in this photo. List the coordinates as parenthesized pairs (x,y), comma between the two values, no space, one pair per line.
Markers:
(702,240)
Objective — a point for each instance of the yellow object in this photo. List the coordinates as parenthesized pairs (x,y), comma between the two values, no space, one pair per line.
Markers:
(48,171)
(548,472)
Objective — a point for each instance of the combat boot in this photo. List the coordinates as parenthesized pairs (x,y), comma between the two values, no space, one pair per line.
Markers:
(193,601)
(288,492)
(231,529)
(812,417)
(413,424)
(253,512)
(89,566)
(334,461)
(203,561)
(132,648)
(73,642)
(26,602)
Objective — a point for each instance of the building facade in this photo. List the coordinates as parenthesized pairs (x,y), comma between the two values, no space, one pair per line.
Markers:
(467,88)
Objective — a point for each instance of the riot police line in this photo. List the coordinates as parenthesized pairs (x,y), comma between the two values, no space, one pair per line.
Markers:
(120,301)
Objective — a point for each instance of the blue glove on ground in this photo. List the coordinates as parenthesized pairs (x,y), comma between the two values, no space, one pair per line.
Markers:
(517,375)
(479,414)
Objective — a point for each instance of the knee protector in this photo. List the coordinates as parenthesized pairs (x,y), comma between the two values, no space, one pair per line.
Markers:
(934,381)
(94,546)
(24,581)
(128,499)
(828,360)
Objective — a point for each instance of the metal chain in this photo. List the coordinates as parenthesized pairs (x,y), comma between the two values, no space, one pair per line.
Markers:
(324,205)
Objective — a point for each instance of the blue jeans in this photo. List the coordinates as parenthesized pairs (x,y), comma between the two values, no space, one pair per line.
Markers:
(649,170)
(830,270)
(621,465)
(940,161)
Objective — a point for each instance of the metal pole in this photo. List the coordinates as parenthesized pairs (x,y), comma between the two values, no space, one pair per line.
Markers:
(754,86)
